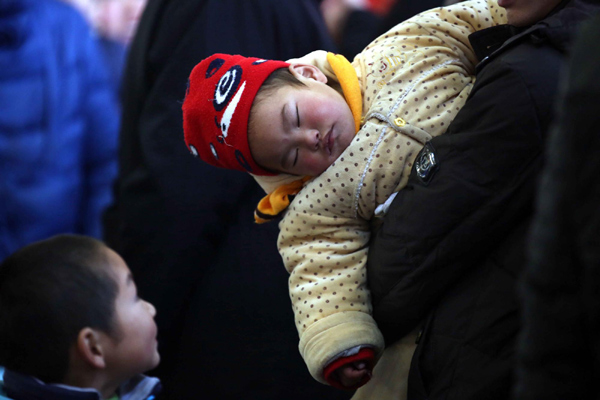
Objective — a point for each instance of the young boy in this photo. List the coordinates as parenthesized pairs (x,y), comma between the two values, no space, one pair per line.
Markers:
(72,325)
(295,132)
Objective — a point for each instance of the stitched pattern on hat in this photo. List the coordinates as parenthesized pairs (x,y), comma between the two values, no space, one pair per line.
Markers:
(227,86)
(213,67)
(229,111)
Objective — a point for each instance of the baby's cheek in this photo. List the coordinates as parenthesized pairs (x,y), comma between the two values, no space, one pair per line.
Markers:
(316,163)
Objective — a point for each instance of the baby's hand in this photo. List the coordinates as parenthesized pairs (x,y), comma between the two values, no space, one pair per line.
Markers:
(353,371)
(350,375)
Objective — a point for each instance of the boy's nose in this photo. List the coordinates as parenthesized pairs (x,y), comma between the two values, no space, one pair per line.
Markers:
(151,308)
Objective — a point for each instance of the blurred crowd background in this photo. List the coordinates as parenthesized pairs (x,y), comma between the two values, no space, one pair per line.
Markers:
(115,22)
(91,142)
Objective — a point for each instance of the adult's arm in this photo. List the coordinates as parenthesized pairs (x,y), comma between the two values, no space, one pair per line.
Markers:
(438,227)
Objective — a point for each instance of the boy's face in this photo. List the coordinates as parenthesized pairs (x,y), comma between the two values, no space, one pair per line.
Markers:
(301,131)
(527,12)
(136,349)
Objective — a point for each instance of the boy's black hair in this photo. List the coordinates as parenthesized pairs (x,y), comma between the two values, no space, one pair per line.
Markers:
(49,291)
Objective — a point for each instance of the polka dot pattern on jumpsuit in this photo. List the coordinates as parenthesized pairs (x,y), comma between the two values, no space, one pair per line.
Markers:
(414,79)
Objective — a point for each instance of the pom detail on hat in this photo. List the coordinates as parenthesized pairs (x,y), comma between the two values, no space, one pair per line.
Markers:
(216,109)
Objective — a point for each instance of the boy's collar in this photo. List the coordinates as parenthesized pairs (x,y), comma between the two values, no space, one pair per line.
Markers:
(19,386)
(140,387)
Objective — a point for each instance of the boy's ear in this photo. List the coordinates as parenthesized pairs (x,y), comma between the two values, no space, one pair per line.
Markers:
(308,71)
(90,347)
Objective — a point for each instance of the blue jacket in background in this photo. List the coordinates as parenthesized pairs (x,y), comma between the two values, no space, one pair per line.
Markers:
(59,122)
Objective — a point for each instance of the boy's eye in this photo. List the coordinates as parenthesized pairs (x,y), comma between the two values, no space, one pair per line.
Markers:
(295,159)
(298,115)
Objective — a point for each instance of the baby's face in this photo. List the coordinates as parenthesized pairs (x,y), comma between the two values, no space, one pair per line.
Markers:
(301,131)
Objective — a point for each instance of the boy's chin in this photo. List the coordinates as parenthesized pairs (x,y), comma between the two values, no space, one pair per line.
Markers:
(154,362)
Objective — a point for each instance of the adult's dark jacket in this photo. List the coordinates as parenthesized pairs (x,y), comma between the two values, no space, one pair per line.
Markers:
(559,346)
(186,229)
(453,242)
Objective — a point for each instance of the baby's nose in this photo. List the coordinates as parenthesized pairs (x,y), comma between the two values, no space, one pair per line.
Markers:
(313,138)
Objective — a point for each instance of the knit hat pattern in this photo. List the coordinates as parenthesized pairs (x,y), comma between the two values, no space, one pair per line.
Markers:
(216,109)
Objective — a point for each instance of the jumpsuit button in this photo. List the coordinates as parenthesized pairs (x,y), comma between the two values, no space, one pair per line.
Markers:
(399,122)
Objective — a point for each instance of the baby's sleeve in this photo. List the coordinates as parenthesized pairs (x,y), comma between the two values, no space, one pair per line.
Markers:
(324,248)
(417,76)
(445,30)
(454,24)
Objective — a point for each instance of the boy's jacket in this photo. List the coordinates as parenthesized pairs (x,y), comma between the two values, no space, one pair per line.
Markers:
(15,386)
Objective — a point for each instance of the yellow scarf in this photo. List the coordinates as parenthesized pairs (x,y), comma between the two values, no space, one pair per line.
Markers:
(278,200)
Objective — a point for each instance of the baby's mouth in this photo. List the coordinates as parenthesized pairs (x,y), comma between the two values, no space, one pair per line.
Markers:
(329,140)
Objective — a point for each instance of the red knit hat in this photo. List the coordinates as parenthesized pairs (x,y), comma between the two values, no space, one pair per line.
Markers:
(221,90)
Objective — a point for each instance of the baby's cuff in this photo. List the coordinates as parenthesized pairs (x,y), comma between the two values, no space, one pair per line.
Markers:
(325,339)
(365,354)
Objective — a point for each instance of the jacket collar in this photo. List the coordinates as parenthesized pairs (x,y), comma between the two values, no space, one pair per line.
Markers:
(557,29)
(488,41)
(19,386)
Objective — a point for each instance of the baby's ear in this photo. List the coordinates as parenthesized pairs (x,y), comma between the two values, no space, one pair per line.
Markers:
(308,71)
(90,347)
